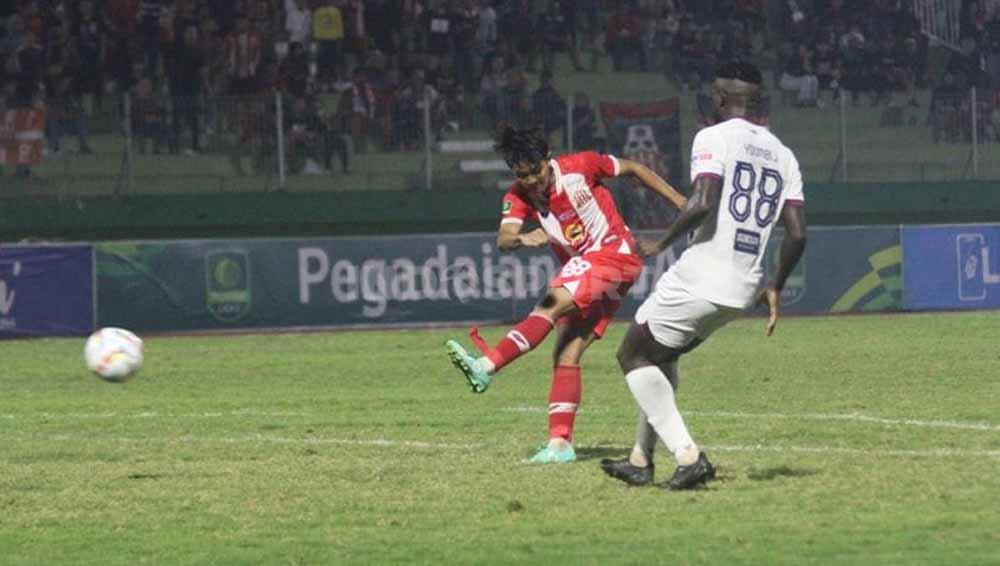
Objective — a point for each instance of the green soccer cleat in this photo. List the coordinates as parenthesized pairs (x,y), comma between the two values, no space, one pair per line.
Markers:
(474,371)
(549,455)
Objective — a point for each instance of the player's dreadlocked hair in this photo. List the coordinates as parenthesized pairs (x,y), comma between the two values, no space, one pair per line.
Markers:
(521,146)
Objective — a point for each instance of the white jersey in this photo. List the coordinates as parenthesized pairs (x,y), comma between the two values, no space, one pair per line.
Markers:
(723,261)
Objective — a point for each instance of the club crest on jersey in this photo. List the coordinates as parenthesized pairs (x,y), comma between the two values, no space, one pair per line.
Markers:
(574,233)
(581,198)
(507,205)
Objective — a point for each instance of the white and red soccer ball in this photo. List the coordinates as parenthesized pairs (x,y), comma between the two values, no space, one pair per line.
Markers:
(114,354)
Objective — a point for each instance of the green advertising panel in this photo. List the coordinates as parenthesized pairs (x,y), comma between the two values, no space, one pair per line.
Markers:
(234,284)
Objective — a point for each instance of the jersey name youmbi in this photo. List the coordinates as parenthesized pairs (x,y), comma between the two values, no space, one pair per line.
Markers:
(723,263)
(582,216)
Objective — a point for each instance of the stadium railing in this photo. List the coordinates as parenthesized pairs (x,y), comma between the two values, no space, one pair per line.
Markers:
(277,142)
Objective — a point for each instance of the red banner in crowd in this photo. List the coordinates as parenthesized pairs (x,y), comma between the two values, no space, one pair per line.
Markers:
(22,136)
(649,133)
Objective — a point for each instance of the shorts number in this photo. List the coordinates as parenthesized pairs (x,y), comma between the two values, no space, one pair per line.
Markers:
(769,187)
(575,267)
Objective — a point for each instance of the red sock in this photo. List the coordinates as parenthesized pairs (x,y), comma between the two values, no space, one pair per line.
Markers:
(564,398)
(520,340)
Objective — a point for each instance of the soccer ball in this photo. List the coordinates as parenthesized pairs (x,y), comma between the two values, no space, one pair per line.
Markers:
(113,354)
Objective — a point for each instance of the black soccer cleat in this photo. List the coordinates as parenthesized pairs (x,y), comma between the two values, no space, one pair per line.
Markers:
(627,472)
(692,476)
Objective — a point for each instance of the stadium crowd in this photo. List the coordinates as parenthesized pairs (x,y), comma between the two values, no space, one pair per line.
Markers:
(355,72)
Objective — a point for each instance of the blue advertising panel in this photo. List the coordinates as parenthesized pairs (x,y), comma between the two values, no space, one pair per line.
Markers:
(952,267)
(229,284)
(46,290)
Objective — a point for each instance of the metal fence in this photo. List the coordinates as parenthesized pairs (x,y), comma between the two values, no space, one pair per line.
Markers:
(144,143)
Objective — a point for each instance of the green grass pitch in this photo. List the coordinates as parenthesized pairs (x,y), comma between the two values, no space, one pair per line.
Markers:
(850,440)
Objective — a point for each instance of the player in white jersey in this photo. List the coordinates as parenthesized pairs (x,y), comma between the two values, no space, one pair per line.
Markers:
(744,179)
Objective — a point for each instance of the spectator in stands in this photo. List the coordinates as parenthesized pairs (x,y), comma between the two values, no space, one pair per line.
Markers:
(386,92)
(690,63)
(328,32)
(854,53)
(306,138)
(548,107)
(298,21)
(486,30)
(294,74)
(91,34)
(556,36)
(355,32)
(945,109)
(148,116)
(517,31)
(383,21)
(150,14)
(357,109)
(437,30)
(799,77)
(244,49)
(29,67)
(502,91)
(335,137)
(624,36)
(465,22)
(212,44)
(65,113)
(665,27)
(584,125)
(188,72)
(414,98)
(826,63)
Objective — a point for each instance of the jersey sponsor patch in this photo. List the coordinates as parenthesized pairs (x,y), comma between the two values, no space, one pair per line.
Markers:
(581,198)
(747,242)
(574,233)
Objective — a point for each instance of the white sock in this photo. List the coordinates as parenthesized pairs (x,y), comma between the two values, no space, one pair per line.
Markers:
(655,396)
(645,442)
(488,365)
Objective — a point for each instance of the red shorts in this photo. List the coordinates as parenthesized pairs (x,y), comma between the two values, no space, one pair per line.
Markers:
(598,282)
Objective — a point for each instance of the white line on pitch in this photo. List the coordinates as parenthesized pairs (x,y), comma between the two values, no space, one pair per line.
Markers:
(926,452)
(153,415)
(262,439)
(962,425)
(386,443)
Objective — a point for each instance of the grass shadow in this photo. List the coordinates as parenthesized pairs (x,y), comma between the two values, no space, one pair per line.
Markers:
(769,474)
(595,452)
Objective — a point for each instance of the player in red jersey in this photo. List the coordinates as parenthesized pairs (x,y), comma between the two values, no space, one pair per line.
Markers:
(578,218)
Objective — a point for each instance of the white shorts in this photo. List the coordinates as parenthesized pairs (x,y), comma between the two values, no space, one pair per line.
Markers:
(676,317)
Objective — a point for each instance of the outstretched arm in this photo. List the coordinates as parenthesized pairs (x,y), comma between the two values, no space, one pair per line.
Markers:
(794,217)
(703,202)
(653,181)
(510,237)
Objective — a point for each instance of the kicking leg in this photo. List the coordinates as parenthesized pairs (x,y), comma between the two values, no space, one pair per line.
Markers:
(521,339)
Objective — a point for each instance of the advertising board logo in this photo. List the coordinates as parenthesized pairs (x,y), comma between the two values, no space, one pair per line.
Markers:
(878,290)
(975,271)
(227,274)
(7,296)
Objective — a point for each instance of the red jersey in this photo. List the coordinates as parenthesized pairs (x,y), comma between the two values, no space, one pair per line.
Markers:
(581,217)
